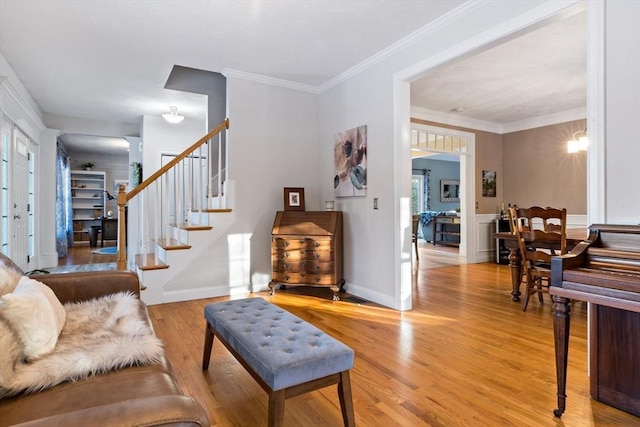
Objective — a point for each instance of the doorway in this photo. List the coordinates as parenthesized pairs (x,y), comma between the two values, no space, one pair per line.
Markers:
(403,114)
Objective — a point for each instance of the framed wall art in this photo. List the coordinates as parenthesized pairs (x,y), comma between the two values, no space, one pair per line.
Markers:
(293,199)
(449,190)
(350,162)
(488,183)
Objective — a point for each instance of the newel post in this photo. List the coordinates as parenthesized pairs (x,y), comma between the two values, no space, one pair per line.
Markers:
(121,258)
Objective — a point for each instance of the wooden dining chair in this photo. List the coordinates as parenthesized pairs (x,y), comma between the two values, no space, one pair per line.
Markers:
(541,234)
(415,222)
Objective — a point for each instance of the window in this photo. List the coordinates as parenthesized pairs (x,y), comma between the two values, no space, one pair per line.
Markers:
(417,194)
(30,206)
(4,197)
(427,140)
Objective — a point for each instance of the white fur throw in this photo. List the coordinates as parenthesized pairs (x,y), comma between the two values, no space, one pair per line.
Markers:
(99,335)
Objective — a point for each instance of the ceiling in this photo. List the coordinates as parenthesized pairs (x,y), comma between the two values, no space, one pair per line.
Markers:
(540,73)
(110,60)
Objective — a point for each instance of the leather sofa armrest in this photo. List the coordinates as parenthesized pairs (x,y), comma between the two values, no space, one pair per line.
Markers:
(83,286)
(168,410)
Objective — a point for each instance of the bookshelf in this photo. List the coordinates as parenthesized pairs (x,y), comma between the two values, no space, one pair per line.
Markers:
(88,201)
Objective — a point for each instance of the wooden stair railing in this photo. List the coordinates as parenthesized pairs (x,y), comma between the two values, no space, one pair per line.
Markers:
(123,197)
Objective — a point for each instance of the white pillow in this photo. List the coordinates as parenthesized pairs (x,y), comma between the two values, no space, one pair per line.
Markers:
(9,278)
(35,313)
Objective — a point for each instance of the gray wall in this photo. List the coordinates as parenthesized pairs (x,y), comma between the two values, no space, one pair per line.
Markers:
(440,169)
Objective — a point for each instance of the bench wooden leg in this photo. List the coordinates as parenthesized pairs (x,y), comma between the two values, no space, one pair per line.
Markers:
(208,345)
(276,408)
(346,401)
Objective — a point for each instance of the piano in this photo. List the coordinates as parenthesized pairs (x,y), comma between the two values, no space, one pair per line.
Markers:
(603,270)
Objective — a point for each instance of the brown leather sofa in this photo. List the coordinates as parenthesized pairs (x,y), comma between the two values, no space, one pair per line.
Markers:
(134,396)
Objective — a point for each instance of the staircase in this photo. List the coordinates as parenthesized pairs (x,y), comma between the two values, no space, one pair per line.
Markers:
(175,217)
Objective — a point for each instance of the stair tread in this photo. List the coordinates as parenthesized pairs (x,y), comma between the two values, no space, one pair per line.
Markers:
(193,227)
(149,262)
(217,210)
(170,244)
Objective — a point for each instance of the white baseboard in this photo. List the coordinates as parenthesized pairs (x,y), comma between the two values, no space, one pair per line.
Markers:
(368,294)
(200,293)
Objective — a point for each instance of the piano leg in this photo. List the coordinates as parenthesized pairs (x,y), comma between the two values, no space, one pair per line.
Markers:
(515,262)
(561,326)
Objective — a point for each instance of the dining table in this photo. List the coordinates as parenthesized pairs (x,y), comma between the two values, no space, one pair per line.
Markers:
(574,236)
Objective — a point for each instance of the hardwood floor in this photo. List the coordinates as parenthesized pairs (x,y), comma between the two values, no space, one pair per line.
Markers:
(466,355)
(81,254)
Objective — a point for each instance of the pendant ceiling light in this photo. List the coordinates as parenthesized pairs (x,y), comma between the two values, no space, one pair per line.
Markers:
(172,116)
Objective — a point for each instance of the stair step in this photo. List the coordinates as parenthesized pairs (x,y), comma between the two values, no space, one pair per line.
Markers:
(193,227)
(216,210)
(149,262)
(171,244)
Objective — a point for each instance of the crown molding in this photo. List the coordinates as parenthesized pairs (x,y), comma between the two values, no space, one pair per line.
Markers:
(499,128)
(455,120)
(398,46)
(9,89)
(228,72)
(547,120)
(403,43)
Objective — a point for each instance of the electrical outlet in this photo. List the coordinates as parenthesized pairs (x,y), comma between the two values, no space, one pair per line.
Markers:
(375,203)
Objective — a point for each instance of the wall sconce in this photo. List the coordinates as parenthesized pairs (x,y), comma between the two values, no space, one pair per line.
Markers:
(579,142)
(172,116)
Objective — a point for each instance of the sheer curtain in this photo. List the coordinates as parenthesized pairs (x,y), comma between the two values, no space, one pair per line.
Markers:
(64,211)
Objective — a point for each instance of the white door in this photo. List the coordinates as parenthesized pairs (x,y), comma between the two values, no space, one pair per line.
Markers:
(20,201)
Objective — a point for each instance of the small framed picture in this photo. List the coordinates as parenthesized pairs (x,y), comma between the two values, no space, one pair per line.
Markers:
(293,199)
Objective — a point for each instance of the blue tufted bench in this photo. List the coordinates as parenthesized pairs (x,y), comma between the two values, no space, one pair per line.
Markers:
(284,354)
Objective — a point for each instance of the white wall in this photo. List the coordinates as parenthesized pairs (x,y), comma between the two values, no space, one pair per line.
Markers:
(46,202)
(96,127)
(273,143)
(622,106)
(159,136)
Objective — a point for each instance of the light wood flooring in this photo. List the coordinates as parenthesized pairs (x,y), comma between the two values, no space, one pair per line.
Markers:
(466,355)
(81,254)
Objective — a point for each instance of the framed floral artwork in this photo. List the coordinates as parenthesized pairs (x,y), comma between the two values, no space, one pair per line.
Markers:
(350,162)
(488,183)
(293,199)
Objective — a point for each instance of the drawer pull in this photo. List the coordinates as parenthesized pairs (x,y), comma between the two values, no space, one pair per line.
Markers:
(301,240)
(286,266)
(285,255)
(285,243)
(318,278)
(316,244)
(316,267)
(286,277)
(316,255)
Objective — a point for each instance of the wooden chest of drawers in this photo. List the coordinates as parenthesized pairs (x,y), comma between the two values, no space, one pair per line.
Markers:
(306,249)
